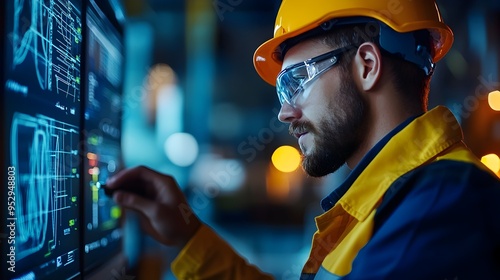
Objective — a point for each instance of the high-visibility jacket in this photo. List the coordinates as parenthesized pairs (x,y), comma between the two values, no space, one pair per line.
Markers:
(419,205)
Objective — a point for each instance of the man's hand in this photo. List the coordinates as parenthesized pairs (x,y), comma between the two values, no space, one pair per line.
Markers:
(166,216)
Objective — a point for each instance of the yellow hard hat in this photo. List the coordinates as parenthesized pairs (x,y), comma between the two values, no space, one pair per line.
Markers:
(296,17)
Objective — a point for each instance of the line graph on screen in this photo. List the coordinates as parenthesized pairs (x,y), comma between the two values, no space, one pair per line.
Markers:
(49,34)
(45,185)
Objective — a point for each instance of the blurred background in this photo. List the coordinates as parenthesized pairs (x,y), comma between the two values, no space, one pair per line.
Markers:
(196,109)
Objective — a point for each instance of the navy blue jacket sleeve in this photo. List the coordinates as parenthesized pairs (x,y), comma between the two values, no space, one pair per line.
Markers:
(441,221)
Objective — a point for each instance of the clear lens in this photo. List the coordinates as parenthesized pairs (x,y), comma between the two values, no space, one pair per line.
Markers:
(292,80)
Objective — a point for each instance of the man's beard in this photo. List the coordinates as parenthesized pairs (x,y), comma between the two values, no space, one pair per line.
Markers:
(339,134)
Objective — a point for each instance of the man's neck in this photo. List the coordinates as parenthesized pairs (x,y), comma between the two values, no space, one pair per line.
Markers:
(383,119)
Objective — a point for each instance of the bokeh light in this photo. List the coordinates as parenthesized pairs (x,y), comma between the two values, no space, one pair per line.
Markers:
(286,159)
(215,174)
(494,100)
(181,149)
(492,161)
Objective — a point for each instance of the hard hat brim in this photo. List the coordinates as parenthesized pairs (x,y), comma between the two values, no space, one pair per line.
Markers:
(268,62)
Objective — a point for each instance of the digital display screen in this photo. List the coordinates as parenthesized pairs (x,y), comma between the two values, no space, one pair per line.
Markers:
(42,109)
(102,134)
(62,75)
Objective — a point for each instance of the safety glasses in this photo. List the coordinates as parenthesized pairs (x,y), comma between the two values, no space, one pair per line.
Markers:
(292,80)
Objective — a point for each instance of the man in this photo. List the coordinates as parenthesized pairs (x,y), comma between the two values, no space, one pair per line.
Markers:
(353,80)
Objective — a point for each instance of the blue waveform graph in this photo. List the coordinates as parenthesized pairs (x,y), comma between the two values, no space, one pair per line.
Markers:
(49,34)
(46,184)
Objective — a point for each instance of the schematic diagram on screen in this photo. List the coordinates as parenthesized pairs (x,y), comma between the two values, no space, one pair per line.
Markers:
(46,41)
(46,192)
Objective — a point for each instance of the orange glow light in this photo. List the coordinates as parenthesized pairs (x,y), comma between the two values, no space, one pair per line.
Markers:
(91,156)
(286,159)
(492,161)
(494,100)
(277,184)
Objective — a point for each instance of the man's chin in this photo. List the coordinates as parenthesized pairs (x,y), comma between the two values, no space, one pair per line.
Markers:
(310,168)
(319,168)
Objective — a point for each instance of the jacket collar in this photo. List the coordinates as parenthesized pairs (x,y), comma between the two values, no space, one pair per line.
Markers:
(410,145)
(329,201)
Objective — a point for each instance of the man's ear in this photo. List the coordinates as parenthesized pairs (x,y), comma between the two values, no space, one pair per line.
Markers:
(368,65)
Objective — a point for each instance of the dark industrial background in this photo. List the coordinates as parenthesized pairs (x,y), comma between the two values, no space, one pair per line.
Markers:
(189,73)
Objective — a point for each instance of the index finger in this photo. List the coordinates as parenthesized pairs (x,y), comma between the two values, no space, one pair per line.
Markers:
(140,180)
